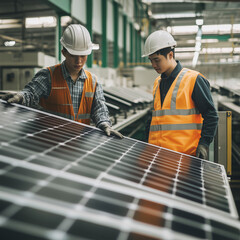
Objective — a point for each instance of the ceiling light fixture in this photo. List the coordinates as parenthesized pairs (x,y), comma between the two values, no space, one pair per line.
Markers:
(225,50)
(197,46)
(174,15)
(206,29)
(214,40)
(199,21)
(234,39)
(9,43)
(162,1)
(185,49)
(39,22)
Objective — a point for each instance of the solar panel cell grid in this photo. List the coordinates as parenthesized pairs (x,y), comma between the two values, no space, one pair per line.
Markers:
(63,180)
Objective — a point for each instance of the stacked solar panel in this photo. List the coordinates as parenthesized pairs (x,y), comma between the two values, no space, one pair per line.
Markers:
(63,180)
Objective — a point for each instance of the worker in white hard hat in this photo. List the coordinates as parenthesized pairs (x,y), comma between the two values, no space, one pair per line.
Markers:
(67,89)
(183,118)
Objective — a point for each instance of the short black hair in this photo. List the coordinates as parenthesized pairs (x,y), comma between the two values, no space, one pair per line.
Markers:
(165,51)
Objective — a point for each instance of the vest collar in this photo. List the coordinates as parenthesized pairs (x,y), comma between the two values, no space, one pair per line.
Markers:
(174,73)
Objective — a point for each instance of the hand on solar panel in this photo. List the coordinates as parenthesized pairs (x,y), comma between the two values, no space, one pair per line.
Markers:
(202,152)
(13,98)
(109,131)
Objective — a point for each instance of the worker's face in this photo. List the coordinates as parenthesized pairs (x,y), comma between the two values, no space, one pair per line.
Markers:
(160,63)
(74,63)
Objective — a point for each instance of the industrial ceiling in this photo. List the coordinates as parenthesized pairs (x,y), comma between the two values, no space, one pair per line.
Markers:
(219,35)
(220,31)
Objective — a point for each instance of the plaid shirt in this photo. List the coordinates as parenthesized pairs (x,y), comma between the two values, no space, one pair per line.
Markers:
(41,85)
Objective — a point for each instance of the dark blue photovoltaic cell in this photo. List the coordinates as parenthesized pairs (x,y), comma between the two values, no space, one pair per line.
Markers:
(64,180)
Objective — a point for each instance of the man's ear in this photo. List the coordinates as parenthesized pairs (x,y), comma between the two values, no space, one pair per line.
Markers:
(170,55)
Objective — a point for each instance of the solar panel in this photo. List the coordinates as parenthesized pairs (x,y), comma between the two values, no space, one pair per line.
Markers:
(127,94)
(63,180)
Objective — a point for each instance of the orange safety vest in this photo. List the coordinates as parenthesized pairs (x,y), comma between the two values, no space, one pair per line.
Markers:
(176,124)
(59,101)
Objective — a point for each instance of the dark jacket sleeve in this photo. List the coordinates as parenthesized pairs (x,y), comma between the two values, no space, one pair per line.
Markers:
(204,103)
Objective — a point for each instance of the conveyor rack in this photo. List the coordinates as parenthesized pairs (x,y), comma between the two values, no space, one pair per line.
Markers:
(124,106)
(136,98)
(113,110)
(134,103)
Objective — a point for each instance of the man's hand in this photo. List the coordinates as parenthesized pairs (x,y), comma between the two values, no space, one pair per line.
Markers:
(109,131)
(202,152)
(13,98)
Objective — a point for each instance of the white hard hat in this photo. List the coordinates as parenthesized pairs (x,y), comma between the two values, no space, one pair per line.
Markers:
(76,39)
(158,40)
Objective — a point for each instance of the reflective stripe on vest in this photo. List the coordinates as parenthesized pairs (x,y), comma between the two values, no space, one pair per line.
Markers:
(163,112)
(59,101)
(84,116)
(174,127)
(166,127)
(89,94)
(175,91)
(84,112)
(59,87)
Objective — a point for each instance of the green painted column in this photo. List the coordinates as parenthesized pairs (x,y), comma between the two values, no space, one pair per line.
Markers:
(140,49)
(136,46)
(57,39)
(115,33)
(136,14)
(125,40)
(89,7)
(150,27)
(131,42)
(104,34)
(149,32)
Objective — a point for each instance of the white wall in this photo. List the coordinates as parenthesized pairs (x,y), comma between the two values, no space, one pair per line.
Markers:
(78,10)
(97,17)
(110,21)
(128,7)
(120,30)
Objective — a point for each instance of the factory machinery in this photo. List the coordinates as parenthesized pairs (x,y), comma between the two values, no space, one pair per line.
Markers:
(129,108)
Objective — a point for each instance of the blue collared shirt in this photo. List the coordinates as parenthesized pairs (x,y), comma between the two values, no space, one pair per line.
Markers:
(41,85)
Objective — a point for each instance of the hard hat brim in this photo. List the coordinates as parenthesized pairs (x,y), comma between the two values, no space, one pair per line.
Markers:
(81,53)
(144,55)
(95,46)
(152,52)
